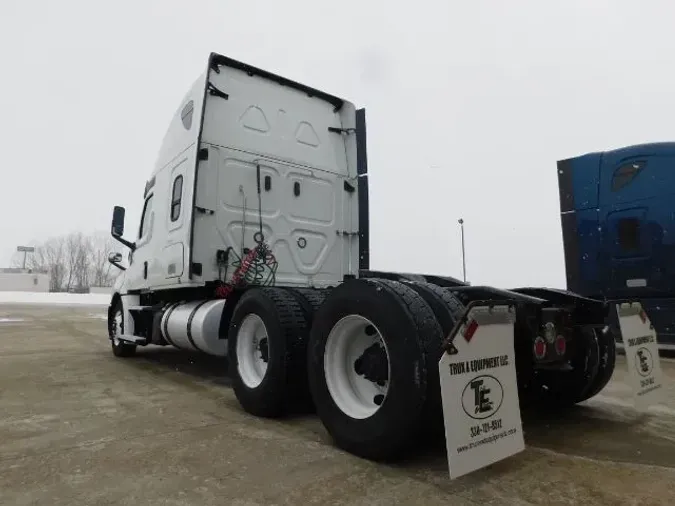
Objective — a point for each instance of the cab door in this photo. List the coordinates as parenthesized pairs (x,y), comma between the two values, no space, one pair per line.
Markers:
(140,260)
(629,249)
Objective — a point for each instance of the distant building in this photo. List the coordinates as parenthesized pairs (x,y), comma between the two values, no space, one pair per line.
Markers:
(23,280)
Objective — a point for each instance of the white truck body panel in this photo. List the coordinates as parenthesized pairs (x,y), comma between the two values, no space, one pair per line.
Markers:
(161,242)
(308,177)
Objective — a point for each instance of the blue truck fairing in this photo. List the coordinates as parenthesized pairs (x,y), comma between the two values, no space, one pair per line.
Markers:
(617,212)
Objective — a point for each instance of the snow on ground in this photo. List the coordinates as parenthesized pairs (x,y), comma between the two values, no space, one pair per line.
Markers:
(64,299)
(10,320)
(102,316)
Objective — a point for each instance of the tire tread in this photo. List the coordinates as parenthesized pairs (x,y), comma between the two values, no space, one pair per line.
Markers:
(399,432)
(279,395)
(295,329)
(431,334)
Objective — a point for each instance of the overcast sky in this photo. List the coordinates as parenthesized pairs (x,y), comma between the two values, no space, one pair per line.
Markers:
(469,105)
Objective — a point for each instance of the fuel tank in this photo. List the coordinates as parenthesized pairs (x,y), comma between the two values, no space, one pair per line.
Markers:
(195,326)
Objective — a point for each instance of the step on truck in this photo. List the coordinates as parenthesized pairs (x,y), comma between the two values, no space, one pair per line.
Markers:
(253,245)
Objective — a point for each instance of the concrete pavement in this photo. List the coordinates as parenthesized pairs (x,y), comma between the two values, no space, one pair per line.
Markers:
(79,426)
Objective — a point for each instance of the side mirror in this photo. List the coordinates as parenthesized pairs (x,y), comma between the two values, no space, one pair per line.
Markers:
(115,259)
(117,228)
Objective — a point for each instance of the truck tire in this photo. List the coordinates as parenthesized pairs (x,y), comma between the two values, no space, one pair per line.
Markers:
(267,346)
(371,348)
(115,328)
(448,310)
(446,307)
(607,362)
(310,300)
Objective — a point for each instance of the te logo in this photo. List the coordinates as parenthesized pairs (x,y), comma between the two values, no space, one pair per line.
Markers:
(644,362)
(482,403)
(482,397)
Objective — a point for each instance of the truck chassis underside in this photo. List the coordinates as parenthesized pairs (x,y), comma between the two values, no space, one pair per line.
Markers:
(563,351)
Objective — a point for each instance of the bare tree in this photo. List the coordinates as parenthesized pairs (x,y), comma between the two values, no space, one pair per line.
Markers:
(77,246)
(50,257)
(101,274)
(83,263)
(74,262)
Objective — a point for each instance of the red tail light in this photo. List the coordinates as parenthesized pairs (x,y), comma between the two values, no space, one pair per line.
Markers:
(539,347)
(560,345)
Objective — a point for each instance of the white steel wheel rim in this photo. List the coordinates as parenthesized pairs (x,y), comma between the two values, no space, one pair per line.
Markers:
(353,393)
(251,339)
(117,327)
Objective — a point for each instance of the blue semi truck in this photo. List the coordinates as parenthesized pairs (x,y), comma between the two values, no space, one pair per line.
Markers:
(617,211)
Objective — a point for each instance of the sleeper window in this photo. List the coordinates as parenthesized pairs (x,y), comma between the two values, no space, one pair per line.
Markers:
(176,197)
(625,174)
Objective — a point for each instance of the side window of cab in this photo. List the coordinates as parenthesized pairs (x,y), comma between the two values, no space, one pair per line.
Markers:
(145,218)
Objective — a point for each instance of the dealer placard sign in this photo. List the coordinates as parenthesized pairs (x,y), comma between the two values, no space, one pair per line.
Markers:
(642,355)
(480,394)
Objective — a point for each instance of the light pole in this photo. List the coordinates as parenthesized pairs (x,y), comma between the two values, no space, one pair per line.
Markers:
(461,225)
(25,250)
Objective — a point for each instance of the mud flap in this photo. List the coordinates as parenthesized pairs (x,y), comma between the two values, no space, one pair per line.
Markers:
(481,409)
(642,355)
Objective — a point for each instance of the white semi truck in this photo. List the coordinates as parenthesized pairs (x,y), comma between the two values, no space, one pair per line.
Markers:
(253,246)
